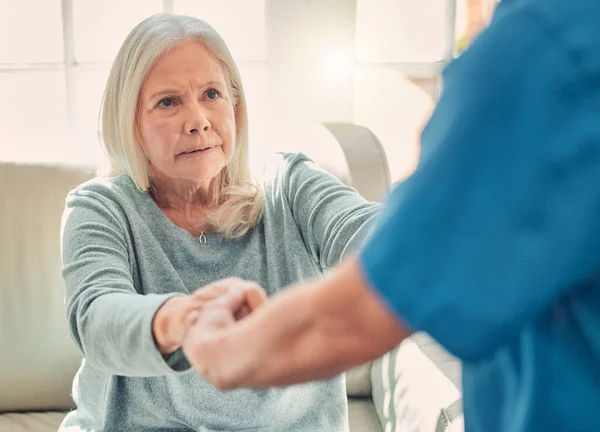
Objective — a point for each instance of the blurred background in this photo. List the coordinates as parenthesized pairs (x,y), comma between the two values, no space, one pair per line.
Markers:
(375,63)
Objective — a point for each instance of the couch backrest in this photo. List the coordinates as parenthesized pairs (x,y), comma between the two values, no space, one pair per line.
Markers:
(38,359)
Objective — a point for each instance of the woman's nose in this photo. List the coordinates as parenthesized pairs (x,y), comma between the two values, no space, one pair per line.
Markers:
(197,121)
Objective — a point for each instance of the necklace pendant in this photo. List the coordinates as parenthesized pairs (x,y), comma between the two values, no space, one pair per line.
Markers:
(202,238)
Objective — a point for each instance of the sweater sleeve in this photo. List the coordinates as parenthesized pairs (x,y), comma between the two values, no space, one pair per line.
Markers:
(110,322)
(332,218)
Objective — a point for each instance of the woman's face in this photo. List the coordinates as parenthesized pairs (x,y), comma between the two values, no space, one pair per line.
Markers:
(186,116)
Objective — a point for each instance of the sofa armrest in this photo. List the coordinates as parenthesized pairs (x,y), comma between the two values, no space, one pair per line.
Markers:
(417,387)
(367,163)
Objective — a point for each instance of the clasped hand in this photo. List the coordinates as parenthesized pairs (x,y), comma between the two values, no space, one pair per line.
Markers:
(193,322)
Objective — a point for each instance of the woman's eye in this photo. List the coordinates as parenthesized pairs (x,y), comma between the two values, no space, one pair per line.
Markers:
(166,102)
(212,94)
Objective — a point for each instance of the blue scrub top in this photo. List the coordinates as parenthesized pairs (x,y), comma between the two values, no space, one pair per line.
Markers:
(493,245)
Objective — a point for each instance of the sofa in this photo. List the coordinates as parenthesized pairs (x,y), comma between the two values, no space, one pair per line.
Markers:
(413,388)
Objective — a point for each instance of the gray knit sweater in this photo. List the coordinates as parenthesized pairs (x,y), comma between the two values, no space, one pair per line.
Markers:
(122,258)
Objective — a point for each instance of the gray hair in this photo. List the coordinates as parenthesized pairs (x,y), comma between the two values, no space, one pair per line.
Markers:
(238,197)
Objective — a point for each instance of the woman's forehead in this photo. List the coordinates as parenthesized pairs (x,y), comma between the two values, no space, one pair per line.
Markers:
(190,63)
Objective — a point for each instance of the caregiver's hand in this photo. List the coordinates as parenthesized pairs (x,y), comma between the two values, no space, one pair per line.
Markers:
(178,314)
(203,345)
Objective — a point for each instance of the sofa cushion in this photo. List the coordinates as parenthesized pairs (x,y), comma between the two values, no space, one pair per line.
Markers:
(31,421)
(358,381)
(362,416)
(416,387)
(38,373)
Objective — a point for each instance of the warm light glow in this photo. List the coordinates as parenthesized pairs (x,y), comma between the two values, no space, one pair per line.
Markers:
(338,65)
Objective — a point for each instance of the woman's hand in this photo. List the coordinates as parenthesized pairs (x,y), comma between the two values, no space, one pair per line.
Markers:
(178,314)
(202,345)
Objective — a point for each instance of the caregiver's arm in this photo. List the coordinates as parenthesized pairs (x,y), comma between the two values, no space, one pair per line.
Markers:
(307,332)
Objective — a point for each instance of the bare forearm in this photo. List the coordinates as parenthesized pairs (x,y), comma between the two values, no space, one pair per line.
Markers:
(317,331)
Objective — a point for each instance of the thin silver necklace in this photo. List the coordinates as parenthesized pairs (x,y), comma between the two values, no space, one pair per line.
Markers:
(201,238)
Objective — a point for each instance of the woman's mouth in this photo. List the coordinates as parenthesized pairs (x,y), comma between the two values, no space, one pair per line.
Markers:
(197,151)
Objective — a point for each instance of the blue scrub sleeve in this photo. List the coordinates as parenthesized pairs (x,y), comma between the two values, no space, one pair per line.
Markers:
(502,215)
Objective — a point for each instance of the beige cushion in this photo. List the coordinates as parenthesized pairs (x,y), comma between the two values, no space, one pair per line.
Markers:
(39,359)
(358,381)
(362,416)
(31,421)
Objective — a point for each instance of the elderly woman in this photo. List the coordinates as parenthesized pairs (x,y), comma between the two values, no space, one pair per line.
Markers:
(180,211)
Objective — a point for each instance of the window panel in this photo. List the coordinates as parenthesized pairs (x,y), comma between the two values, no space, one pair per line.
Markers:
(241,24)
(33,126)
(395,109)
(100,27)
(401,31)
(87,89)
(27,37)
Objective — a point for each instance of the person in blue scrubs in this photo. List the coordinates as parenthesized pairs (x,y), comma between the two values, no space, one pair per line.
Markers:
(492,246)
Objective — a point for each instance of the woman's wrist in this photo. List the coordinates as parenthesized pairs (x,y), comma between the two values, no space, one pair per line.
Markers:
(163,323)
